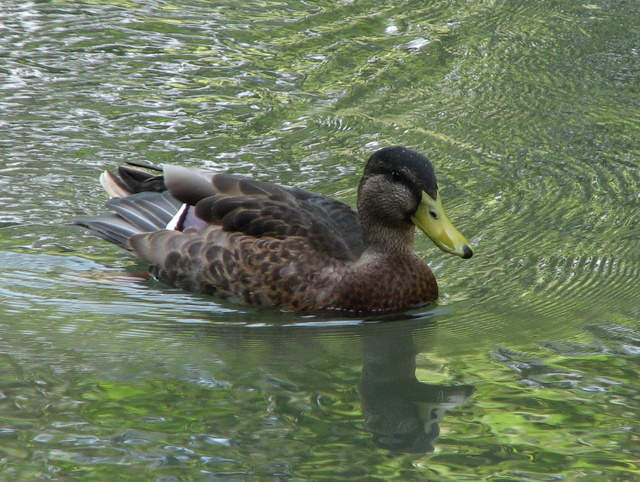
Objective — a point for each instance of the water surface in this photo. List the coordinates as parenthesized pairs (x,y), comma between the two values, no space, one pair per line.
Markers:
(527,368)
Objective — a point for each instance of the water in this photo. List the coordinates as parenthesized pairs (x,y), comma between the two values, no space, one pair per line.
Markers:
(527,367)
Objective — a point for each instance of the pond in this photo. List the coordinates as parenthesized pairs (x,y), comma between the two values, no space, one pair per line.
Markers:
(527,368)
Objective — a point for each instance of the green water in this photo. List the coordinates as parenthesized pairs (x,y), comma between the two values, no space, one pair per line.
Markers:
(528,367)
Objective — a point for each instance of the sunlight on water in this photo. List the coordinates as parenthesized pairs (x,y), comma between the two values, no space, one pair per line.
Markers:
(526,369)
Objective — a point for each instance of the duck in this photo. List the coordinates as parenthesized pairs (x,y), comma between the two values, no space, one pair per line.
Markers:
(283,248)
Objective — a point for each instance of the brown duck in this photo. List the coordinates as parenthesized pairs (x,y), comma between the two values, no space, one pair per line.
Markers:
(281,247)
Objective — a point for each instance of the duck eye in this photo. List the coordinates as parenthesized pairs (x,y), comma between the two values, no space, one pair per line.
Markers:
(396,176)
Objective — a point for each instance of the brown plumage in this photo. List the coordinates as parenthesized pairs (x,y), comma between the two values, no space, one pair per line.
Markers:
(281,247)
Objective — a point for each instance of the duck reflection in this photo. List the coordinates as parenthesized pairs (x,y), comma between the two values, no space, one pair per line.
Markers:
(402,413)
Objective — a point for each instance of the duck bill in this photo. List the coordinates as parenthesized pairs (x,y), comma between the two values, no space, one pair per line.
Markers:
(433,221)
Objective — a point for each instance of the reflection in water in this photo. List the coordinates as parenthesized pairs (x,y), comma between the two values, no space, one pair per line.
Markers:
(402,413)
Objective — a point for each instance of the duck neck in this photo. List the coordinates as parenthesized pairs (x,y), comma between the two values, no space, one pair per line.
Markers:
(388,240)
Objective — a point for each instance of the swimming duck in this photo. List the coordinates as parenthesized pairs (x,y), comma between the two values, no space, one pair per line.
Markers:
(281,247)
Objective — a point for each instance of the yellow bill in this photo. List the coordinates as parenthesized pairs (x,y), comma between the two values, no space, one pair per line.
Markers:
(433,221)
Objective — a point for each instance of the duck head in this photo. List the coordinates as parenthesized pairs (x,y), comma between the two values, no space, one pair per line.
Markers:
(399,190)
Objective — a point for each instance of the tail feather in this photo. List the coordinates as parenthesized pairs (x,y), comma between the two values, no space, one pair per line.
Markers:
(134,214)
(113,185)
(130,181)
(148,211)
(109,227)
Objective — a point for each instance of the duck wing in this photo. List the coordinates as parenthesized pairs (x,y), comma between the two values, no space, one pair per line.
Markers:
(258,209)
(182,199)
